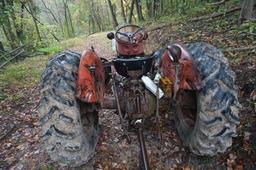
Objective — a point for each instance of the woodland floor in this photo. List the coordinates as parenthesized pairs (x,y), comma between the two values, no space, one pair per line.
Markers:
(21,148)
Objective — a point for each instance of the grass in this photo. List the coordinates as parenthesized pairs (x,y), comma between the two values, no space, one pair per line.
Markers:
(47,167)
(23,74)
(27,73)
(16,97)
(2,95)
(52,49)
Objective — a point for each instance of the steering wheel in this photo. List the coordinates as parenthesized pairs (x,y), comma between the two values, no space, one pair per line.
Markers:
(132,36)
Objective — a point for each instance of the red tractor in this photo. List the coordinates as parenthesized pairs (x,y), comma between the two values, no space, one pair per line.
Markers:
(195,79)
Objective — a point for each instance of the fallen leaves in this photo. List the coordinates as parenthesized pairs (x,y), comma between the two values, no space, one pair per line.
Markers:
(21,129)
(233,163)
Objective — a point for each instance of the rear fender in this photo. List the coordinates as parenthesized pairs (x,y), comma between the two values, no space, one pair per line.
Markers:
(91,78)
(189,76)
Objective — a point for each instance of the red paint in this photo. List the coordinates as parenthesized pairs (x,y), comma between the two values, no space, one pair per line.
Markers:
(90,84)
(130,49)
(189,75)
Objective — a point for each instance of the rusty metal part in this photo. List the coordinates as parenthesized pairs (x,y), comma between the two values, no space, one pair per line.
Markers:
(122,120)
(109,102)
(157,111)
(189,76)
(136,101)
(177,80)
(143,149)
(166,85)
(91,78)
(174,52)
(117,99)
(129,40)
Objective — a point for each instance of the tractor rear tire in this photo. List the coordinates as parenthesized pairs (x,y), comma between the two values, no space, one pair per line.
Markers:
(216,104)
(69,128)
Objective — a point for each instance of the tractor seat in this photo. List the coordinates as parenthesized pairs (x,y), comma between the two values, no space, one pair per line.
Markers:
(128,66)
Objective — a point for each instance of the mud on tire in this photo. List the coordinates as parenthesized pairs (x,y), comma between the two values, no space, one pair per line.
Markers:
(69,132)
(216,104)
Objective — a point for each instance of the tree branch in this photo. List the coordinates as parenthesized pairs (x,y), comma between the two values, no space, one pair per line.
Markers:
(211,16)
(215,15)
(38,20)
(52,14)
(218,3)
(239,49)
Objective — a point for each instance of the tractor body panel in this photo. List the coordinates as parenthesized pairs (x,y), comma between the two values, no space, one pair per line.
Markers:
(187,74)
(91,78)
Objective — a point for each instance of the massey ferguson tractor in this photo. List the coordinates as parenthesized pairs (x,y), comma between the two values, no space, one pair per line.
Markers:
(195,79)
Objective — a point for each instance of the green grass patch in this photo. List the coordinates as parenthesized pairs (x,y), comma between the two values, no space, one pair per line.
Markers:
(24,73)
(47,167)
(77,42)
(27,73)
(52,49)
(2,96)
(16,97)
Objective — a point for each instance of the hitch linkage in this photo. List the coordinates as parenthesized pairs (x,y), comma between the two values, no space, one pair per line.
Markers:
(144,163)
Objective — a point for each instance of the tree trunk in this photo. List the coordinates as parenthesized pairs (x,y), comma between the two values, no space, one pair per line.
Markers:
(131,11)
(66,20)
(248,11)
(50,11)
(32,12)
(70,21)
(156,8)
(93,25)
(21,32)
(7,36)
(18,28)
(10,36)
(57,21)
(100,12)
(37,21)
(122,9)
(139,10)
(115,23)
(153,8)
(149,9)
(1,47)
(108,17)
(127,8)
(59,18)
(89,26)
(7,25)
(161,7)
(94,16)
(37,30)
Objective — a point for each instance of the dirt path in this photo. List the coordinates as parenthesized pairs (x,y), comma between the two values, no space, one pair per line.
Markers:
(98,41)
(21,147)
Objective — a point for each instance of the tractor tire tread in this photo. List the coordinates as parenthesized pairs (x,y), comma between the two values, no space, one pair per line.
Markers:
(217,103)
(63,134)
